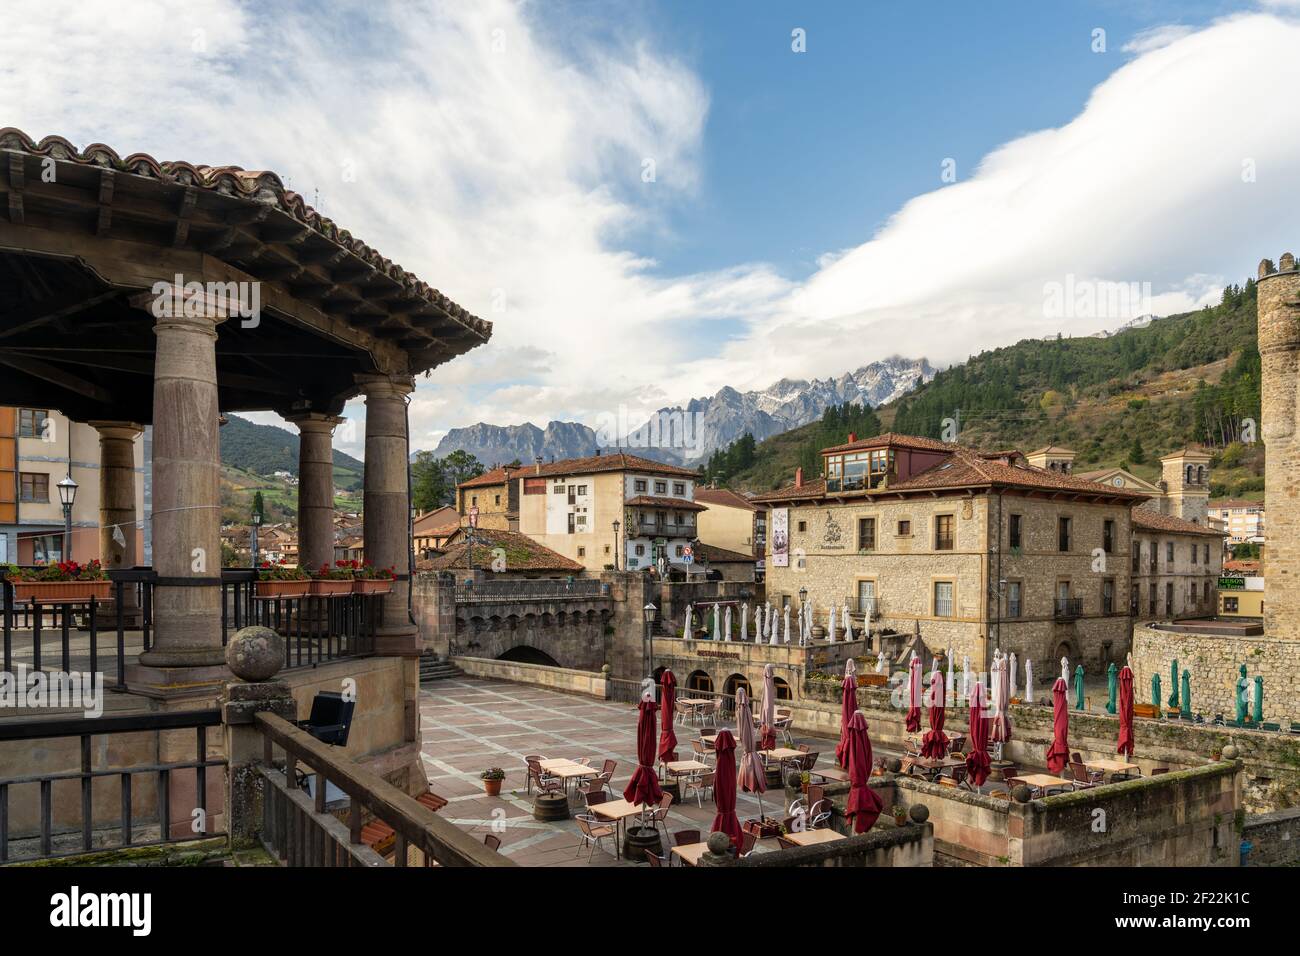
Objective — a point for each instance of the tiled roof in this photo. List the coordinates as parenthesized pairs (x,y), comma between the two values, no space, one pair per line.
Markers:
(1187,451)
(715,555)
(1144,520)
(437,518)
(256,185)
(1052,450)
(494,476)
(1226,503)
(809,489)
(592,464)
(522,553)
(724,497)
(679,504)
(1246,567)
(896,439)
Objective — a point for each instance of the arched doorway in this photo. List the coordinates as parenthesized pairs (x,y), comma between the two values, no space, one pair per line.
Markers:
(734,683)
(699,680)
(783,691)
(523,654)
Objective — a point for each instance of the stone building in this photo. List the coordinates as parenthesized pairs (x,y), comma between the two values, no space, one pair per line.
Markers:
(731,521)
(493,499)
(1182,491)
(975,550)
(1175,567)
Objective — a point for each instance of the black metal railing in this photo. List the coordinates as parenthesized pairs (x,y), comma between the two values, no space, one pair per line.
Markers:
(317,628)
(520,590)
(1067,609)
(56,838)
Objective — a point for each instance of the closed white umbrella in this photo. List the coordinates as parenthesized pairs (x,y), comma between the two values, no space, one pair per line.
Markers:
(965,678)
(880,662)
(744,622)
(1029,681)
(848,624)
(773,631)
(1065,670)
(998,702)
(726,625)
(787,623)
(1014,667)
(686,628)
(717,623)
(950,688)
(834,620)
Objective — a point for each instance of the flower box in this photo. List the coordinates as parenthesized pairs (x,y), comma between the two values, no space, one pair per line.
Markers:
(1146,710)
(873,680)
(762,829)
(282,589)
(61,592)
(372,586)
(331,587)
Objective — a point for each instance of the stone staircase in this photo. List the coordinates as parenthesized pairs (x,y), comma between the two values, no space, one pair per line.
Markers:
(433,667)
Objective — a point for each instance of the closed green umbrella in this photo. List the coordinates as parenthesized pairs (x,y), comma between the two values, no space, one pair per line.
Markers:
(1259,699)
(1173,683)
(1112,687)
(1185,711)
(1155,691)
(1078,687)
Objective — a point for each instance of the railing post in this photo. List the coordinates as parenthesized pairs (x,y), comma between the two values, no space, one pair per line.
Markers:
(245,750)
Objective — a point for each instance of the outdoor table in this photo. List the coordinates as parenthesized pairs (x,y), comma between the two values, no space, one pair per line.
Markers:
(781,753)
(679,768)
(1045,781)
(617,811)
(813,837)
(1111,766)
(568,770)
(831,773)
(690,853)
(933,768)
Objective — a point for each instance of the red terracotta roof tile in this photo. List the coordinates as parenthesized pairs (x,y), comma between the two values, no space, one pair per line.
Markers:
(1144,520)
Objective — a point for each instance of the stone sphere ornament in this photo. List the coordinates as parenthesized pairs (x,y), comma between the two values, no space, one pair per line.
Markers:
(1230,752)
(719,843)
(919,813)
(255,654)
(1022,793)
(894,765)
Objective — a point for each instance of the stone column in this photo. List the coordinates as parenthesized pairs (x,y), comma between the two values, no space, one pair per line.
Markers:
(117,493)
(186,656)
(387,507)
(315,488)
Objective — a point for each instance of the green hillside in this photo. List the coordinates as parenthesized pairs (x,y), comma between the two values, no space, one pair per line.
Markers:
(1122,400)
(266,449)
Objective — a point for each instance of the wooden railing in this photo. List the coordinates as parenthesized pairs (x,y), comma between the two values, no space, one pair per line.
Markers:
(299,831)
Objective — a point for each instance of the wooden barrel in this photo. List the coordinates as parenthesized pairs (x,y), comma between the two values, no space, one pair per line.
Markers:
(549,807)
(639,839)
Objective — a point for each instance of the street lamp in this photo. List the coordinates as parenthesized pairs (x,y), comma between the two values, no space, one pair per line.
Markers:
(67,495)
(647,652)
(256,522)
(615,545)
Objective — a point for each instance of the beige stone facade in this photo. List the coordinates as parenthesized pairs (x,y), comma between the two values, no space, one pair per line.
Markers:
(1175,568)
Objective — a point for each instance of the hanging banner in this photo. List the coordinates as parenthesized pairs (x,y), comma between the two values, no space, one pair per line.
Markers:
(780,537)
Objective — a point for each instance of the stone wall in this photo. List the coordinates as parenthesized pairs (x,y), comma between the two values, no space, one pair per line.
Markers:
(1274,838)
(1214,660)
(587,683)
(891,846)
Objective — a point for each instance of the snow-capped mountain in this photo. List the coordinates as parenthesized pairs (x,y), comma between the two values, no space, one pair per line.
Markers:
(703,425)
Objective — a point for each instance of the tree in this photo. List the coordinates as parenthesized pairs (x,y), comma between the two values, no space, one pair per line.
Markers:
(434,480)
(259,507)
(1136,455)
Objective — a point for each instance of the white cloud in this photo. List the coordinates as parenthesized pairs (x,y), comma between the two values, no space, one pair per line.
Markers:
(498,168)
(1156,37)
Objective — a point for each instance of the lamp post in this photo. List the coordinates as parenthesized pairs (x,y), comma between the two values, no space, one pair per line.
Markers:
(647,653)
(255,523)
(615,545)
(67,496)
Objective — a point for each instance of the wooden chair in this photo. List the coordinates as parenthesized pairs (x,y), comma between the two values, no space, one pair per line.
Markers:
(545,782)
(747,843)
(654,861)
(697,785)
(593,798)
(956,744)
(591,831)
(703,752)
(683,837)
(1084,779)
(492,842)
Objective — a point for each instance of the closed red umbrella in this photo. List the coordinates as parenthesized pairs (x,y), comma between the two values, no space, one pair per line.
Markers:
(848,707)
(914,694)
(1059,754)
(977,761)
(667,737)
(935,744)
(1125,712)
(644,785)
(767,732)
(864,803)
(724,787)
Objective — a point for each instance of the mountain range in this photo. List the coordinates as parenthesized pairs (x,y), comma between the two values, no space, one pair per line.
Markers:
(703,425)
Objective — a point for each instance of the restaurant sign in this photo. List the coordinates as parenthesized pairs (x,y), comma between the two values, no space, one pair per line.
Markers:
(1232,584)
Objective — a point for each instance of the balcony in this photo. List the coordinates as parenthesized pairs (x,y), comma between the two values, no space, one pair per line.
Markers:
(1068,609)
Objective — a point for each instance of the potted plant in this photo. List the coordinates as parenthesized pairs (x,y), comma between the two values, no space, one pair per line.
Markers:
(64,582)
(900,814)
(368,579)
(492,778)
(281,579)
(332,581)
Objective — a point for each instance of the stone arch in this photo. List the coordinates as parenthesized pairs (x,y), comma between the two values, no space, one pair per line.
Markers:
(783,690)
(736,681)
(527,654)
(699,680)
(512,622)
(494,622)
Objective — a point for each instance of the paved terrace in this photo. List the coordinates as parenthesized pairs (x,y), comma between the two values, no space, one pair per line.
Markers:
(470,724)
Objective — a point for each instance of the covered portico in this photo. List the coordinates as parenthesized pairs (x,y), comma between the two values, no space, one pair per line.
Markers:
(135,292)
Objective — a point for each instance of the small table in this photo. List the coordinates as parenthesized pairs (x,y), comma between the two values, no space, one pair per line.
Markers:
(813,837)
(1045,781)
(933,768)
(690,853)
(617,811)
(781,753)
(683,768)
(1111,766)
(831,773)
(568,770)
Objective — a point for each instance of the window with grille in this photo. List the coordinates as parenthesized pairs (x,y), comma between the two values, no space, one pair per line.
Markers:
(943,599)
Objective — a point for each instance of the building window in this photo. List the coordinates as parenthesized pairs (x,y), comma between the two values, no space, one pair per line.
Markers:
(867,599)
(866,534)
(1013,599)
(1137,557)
(943,599)
(1151,599)
(1169,553)
(679,488)
(904,529)
(1195,553)
(1169,598)
(1108,596)
(572,519)
(639,485)
(582,491)
(1014,531)
(534,486)
(661,487)
(47,549)
(1207,554)
(1134,596)
(34,487)
(802,526)
(943,532)
(582,552)
(473,501)
(1205,597)
(497,499)
(31,422)
(640,550)
(680,550)
(1108,536)
(1062,534)
(1230,605)
(1155,557)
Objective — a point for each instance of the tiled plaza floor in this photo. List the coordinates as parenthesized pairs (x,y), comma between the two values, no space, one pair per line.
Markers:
(469,724)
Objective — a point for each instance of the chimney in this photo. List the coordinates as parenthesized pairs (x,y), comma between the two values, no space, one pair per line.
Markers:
(798,477)
(853,436)
(537,465)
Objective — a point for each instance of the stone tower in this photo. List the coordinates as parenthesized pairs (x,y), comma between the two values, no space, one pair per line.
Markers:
(1279,350)
(1185,480)
(1052,458)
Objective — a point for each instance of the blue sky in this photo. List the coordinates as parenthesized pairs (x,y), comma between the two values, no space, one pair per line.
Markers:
(796,226)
